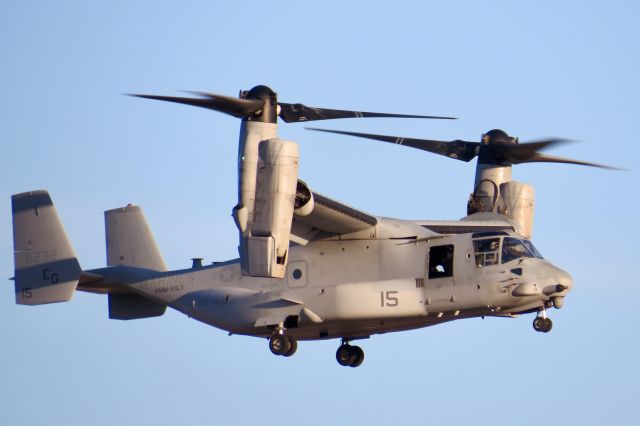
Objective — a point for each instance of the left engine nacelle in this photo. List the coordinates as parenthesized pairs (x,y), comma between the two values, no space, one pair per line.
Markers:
(264,240)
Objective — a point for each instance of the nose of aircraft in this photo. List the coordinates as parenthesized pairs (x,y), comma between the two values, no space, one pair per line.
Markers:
(562,283)
(564,279)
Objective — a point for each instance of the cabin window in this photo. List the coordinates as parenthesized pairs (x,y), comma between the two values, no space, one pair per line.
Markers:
(486,251)
(441,261)
(297,275)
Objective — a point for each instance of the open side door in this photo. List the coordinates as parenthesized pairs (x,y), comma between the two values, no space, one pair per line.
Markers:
(440,276)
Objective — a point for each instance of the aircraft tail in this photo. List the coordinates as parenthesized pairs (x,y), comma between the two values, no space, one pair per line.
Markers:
(131,243)
(46,268)
(129,239)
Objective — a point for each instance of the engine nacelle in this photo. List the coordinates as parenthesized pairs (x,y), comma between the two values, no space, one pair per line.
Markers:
(495,192)
(517,203)
(265,231)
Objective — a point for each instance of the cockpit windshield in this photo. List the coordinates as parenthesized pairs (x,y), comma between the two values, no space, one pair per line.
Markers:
(513,248)
(491,251)
(528,244)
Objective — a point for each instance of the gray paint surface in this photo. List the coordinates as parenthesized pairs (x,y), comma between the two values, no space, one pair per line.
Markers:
(343,286)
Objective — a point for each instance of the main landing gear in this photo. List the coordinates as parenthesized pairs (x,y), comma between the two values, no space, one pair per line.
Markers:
(349,356)
(283,344)
(541,323)
(280,343)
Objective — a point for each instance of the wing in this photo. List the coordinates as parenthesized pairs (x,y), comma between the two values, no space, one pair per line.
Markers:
(327,218)
(477,222)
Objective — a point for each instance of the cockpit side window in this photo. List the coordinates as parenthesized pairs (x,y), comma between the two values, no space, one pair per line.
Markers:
(441,261)
(486,251)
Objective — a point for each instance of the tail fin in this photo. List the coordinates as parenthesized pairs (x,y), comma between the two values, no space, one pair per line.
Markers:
(129,239)
(46,268)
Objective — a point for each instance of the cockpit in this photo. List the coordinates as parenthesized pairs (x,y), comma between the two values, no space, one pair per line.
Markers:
(493,248)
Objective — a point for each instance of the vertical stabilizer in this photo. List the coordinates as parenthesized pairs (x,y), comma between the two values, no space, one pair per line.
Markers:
(46,268)
(129,239)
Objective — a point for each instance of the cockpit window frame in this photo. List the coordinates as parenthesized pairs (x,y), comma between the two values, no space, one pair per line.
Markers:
(484,257)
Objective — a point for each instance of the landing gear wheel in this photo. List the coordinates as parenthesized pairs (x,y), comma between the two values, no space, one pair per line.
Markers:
(542,325)
(293,346)
(345,355)
(350,356)
(279,344)
(539,324)
(359,356)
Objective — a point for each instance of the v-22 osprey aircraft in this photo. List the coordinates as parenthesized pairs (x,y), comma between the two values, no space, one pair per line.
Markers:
(311,267)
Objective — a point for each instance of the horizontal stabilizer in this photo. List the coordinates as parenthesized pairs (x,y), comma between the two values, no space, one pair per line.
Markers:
(46,268)
(132,306)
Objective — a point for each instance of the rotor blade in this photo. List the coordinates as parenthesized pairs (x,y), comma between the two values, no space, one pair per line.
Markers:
(293,113)
(233,106)
(528,153)
(540,144)
(458,149)
(542,158)
(514,153)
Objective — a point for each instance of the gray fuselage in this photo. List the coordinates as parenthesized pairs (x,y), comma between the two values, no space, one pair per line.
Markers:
(353,288)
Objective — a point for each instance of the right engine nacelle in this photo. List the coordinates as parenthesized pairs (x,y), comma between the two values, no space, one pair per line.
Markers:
(495,192)
(265,231)
(517,202)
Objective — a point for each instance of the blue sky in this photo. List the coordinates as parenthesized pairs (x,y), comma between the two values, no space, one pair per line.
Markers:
(567,69)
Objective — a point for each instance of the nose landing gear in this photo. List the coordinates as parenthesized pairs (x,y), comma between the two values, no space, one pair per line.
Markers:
(541,323)
(349,356)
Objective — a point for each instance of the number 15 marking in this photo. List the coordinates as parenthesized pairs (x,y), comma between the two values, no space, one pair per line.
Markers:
(389,299)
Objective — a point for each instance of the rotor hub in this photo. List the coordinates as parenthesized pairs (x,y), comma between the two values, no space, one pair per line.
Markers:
(497,136)
(269,113)
(259,92)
